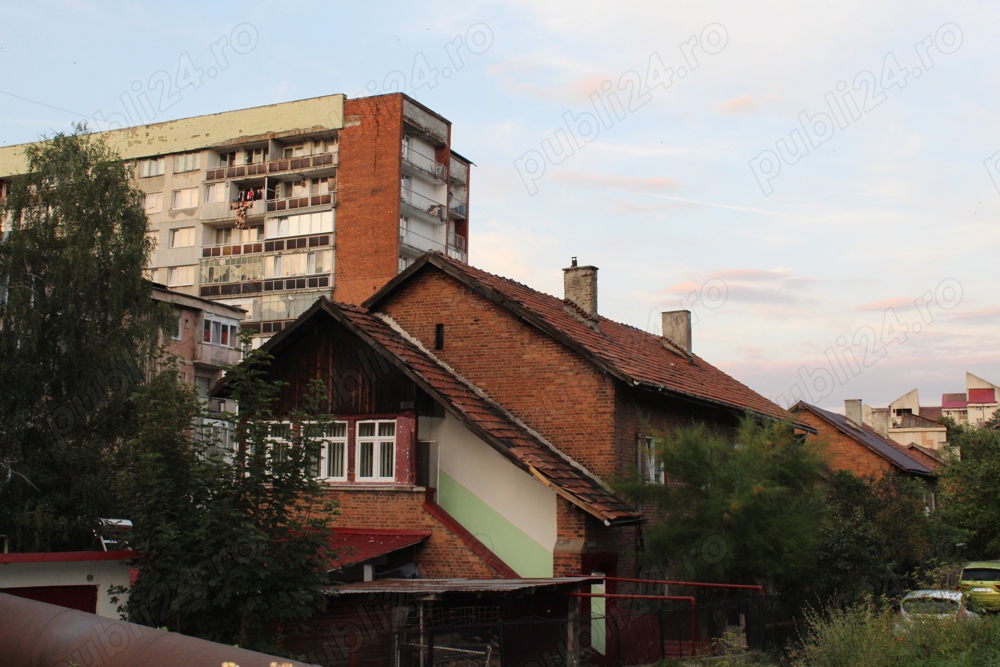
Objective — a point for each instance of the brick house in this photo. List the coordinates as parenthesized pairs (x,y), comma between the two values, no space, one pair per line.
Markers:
(493,417)
(861,449)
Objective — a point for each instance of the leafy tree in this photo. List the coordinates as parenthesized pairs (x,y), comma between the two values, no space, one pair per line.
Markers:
(968,490)
(232,548)
(76,326)
(875,538)
(736,512)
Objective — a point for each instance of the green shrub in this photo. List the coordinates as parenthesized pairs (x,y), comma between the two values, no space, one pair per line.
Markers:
(872,635)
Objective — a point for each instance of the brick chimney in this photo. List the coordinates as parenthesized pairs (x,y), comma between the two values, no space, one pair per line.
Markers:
(852,409)
(580,285)
(676,325)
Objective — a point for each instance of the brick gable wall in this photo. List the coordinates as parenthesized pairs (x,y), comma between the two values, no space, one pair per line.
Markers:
(537,379)
(845,453)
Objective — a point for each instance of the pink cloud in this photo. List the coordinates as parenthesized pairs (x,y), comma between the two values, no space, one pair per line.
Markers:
(737,106)
(901,303)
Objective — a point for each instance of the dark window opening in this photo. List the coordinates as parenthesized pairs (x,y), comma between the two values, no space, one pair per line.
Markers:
(438,336)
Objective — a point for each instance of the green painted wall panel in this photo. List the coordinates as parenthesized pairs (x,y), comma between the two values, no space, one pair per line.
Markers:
(527,557)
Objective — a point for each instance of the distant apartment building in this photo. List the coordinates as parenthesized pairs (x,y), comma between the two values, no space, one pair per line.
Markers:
(269,208)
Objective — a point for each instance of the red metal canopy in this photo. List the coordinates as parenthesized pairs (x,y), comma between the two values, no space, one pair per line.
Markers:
(357,545)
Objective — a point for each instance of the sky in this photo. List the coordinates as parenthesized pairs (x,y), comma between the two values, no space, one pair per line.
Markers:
(819,183)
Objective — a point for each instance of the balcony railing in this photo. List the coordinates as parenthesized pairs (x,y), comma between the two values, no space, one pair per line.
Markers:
(458,247)
(425,163)
(305,201)
(422,204)
(419,242)
(274,166)
(216,355)
(458,207)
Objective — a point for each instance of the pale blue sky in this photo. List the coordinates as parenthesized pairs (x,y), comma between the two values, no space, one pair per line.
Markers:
(694,184)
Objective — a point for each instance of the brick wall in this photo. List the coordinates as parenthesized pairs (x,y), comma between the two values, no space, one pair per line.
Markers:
(845,453)
(536,378)
(367,217)
(442,555)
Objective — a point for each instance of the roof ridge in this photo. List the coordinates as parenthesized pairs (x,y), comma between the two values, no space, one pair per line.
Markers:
(395,326)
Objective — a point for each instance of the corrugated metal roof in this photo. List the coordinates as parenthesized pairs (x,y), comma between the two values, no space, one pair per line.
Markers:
(436,586)
(357,545)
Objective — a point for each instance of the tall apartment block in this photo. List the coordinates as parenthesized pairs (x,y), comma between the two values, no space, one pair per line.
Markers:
(269,208)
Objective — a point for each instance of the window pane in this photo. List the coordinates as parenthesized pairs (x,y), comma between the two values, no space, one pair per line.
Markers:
(208,332)
(366,430)
(335,459)
(387,464)
(366,460)
(387,429)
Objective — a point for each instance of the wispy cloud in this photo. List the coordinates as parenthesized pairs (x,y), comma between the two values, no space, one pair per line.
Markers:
(898,303)
(738,106)
(610,181)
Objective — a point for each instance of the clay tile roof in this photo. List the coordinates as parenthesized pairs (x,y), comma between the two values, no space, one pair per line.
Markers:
(512,439)
(891,451)
(953,401)
(634,356)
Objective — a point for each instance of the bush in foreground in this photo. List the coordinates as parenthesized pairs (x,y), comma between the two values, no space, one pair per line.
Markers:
(871,636)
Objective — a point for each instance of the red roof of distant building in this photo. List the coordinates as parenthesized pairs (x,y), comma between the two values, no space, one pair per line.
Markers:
(65,556)
(357,545)
(982,396)
(954,401)
(634,356)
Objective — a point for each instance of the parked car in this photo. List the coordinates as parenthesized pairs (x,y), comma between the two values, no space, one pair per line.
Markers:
(935,604)
(980,580)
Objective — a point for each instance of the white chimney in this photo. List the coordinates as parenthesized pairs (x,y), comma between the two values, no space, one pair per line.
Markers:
(676,326)
(880,422)
(852,409)
(580,286)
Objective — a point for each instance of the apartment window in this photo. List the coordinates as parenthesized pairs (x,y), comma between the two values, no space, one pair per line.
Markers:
(177,335)
(218,332)
(254,155)
(300,225)
(651,468)
(4,189)
(298,264)
(319,186)
(180,275)
(153,202)
(406,147)
(332,441)
(187,162)
(182,238)
(151,167)
(376,451)
(227,159)
(231,269)
(215,192)
(229,235)
(186,198)
(153,241)
(297,150)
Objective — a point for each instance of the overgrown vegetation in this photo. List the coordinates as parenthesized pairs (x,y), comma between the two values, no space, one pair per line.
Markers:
(873,635)
(969,486)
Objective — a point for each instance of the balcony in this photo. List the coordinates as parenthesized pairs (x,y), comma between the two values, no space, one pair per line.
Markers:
(418,243)
(215,356)
(422,205)
(305,201)
(458,247)
(424,164)
(323,160)
(458,208)
(459,172)
(225,210)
